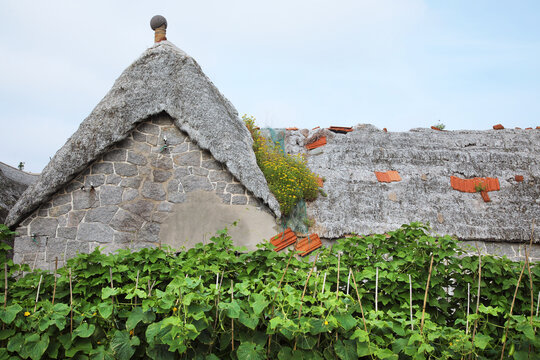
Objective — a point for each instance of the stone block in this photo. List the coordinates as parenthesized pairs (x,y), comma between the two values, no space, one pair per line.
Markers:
(133,183)
(67,232)
(73,185)
(152,139)
(62,220)
(220,175)
(165,206)
(176,197)
(225,198)
(194,183)
(124,169)
(113,179)
(180,148)
(115,155)
(129,194)
(83,199)
(173,135)
(95,232)
(110,195)
(193,146)
(94,180)
(75,217)
(212,164)
(161,175)
(27,244)
(138,136)
(137,159)
(220,187)
(43,212)
(191,158)
(126,143)
(198,171)
(235,189)
(102,214)
(44,226)
(61,199)
(125,221)
(181,172)
(148,128)
(59,210)
(142,208)
(160,217)
(206,155)
(121,237)
(105,168)
(239,200)
(163,163)
(153,190)
(149,232)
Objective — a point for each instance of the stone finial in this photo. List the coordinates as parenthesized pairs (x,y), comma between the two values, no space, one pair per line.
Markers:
(158,23)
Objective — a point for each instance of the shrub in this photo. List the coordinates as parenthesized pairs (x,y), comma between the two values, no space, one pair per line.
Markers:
(288,176)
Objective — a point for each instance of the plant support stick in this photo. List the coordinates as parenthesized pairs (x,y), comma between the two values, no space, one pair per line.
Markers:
(410,301)
(376,288)
(70,304)
(425,295)
(232,320)
(55,270)
(468,306)
(37,293)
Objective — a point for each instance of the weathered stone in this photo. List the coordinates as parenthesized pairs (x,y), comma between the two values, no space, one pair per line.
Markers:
(192,158)
(163,163)
(124,169)
(212,164)
(62,220)
(95,232)
(235,189)
(43,212)
(152,190)
(137,136)
(194,183)
(67,232)
(83,199)
(61,199)
(129,194)
(126,143)
(133,182)
(44,226)
(198,171)
(181,172)
(220,187)
(165,206)
(193,146)
(173,135)
(180,148)
(101,214)
(75,217)
(161,175)
(125,221)
(102,168)
(206,155)
(148,128)
(162,119)
(125,237)
(160,217)
(59,210)
(239,200)
(149,232)
(142,208)
(176,197)
(113,179)
(225,198)
(73,185)
(136,159)
(110,195)
(30,244)
(152,139)
(94,180)
(216,175)
(115,155)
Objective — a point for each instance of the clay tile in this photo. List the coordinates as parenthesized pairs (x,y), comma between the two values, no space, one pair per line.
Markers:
(498,127)
(529,128)
(318,143)
(385,129)
(519,178)
(291,128)
(320,181)
(538,128)
(315,128)
(436,128)
(485,196)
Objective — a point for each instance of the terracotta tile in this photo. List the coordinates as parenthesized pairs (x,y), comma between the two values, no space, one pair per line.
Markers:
(518,128)
(340,129)
(385,129)
(283,239)
(318,143)
(315,128)
(470,185)
(387,176)
(394,175)
(519,178)
(485,196)
(320,181)
(291,128)
(436,128)
(538,128)
(307,245)
(529,128)
(498,127)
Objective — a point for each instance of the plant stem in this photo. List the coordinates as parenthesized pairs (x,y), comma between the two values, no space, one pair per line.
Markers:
(304,293)
(70,304)
(359,301)
(232,320)
(468,307)
(5,285)
(410,302)
(376,289)
(511,309)
(136,285)
(478,293)
(54,287)
(37,293)
(425,295)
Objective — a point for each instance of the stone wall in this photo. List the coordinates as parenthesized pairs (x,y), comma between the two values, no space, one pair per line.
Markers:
(122,199)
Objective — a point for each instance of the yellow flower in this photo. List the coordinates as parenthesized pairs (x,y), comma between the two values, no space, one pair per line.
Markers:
(131,332)
(99,342)
(174,309)
(94,314)
(325,322)
(26,313)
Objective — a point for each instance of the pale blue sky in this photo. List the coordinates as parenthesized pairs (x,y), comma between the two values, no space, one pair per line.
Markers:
(396,64)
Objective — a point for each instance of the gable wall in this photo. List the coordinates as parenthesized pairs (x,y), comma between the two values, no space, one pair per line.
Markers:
(123,198)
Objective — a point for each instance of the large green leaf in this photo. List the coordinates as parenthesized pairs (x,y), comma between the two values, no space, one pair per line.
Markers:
(250,351)
(123,346)
(84,330)
(8,314)
(346,321)
(259,304)
(481,341)
(105,309)
(346,350)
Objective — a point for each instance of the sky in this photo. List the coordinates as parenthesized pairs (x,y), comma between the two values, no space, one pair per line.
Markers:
(398,64)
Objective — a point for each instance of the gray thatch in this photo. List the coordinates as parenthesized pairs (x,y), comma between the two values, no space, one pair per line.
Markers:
(163,79)
(425,159)
(13,182)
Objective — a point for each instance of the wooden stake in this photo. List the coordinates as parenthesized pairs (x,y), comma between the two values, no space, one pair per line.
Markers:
(337,281)
(511,309)
(70,304)
(359,301)
(5,285)
(425,295)
(303,294)
(348,282)
(112,284)
(136,285)
(410,302)
(478,292)
(54,287)
(232,320)
(37,293)
(376,289)
(468,306)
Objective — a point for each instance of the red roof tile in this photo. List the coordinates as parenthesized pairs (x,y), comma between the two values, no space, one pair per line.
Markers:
(519,178)
(388,176)
(470,185)
(320,181)
(292,128)
(307,245)
(283,239)
(436,128)
(318,143)
(498,127)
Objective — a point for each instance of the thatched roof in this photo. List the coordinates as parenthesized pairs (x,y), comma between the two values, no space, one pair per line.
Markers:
(13,182)
(163,79)
(425,160)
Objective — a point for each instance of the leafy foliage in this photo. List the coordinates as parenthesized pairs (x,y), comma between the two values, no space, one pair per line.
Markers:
(288,176)
(180,305)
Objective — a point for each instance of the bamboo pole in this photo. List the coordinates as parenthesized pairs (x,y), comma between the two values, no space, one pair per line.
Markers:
(232,320)
(136,285)
(348,282)
(37,293)
(55,280)
(359,301)
(478,293)
(425,295)
(5,285)
(511,309)
(530,283)
(468,307)
(337,281)
(218,287)
(303,294)
(70,304)
(376,289)
(410,302)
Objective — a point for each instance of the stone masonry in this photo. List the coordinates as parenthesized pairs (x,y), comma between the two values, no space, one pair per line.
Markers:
(122,198)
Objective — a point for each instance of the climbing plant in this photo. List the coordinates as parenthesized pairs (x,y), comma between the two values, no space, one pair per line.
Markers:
(216,301)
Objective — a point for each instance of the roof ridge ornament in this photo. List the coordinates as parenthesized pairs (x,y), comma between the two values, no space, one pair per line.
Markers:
(158,23)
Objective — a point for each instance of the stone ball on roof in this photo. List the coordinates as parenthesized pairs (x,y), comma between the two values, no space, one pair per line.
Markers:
(158,21)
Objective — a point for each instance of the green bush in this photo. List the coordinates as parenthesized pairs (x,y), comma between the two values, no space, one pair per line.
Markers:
(166,305)
(288,176)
